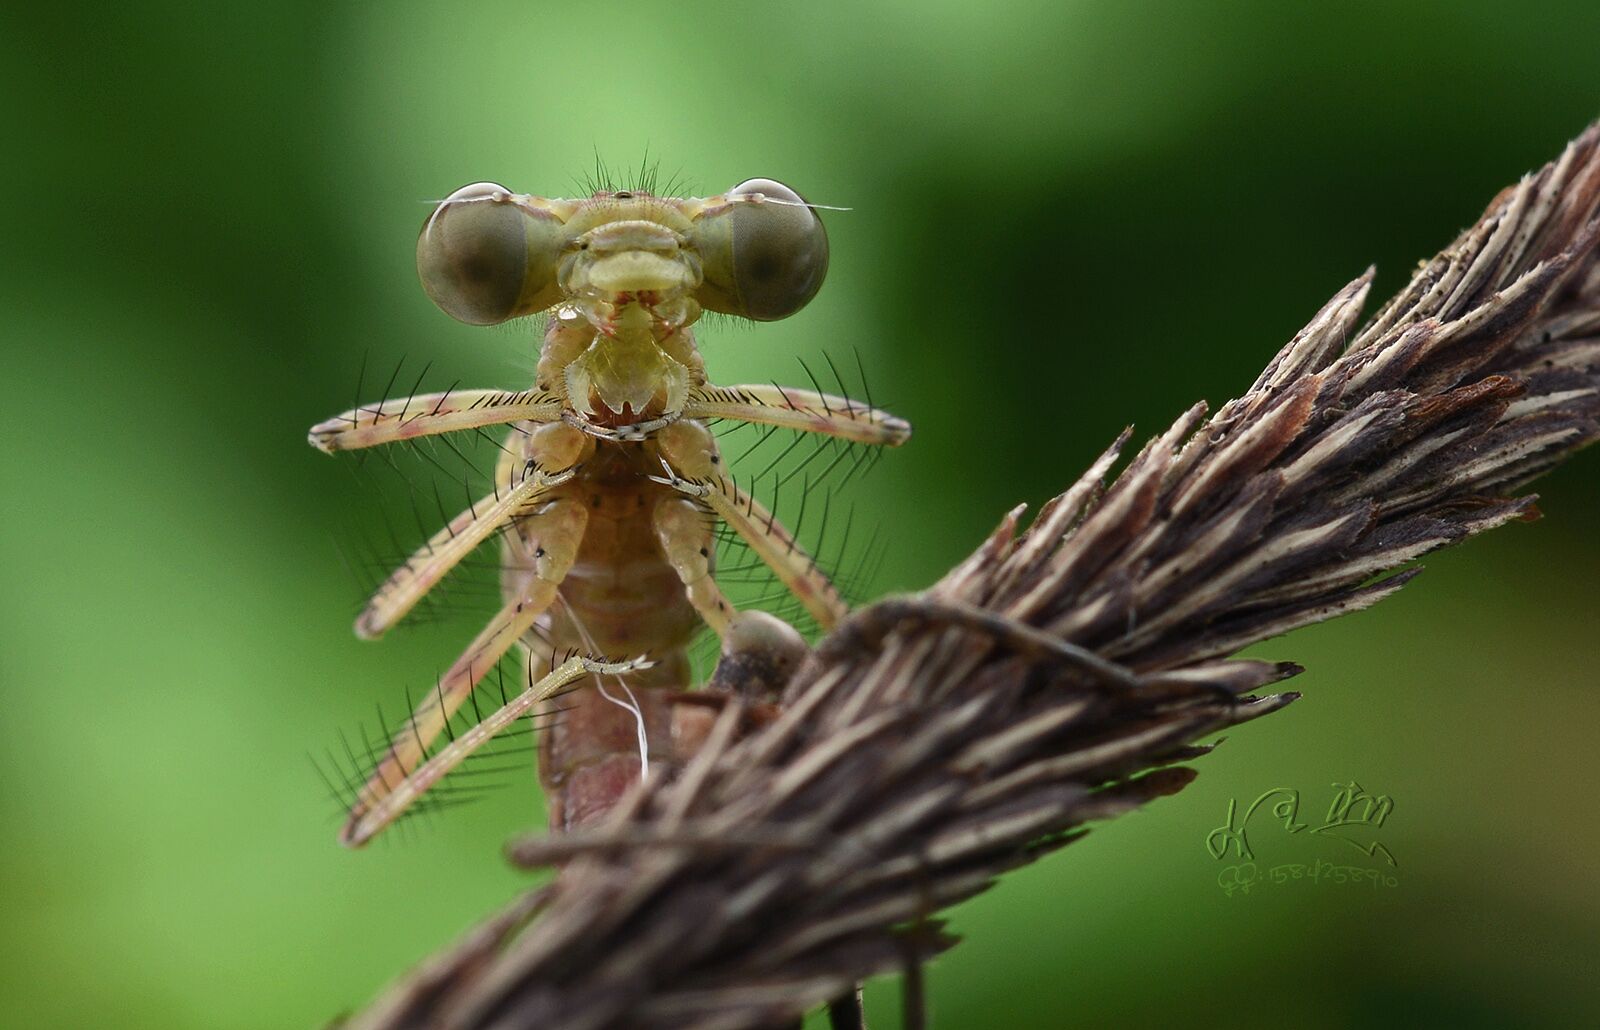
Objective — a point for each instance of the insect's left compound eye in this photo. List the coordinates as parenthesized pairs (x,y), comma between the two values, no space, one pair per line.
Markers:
(764,254)
(484,258)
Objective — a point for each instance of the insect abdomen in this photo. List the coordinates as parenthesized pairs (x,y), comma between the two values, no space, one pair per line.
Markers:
(619,598)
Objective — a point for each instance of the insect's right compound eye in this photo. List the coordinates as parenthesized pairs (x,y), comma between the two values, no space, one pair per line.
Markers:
(485,258)
(764,255)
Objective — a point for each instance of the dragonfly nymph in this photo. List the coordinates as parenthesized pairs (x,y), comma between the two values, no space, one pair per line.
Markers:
(610,485)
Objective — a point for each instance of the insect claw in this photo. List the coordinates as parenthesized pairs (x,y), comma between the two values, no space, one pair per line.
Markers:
(633,433)
(689,488)
(617,668)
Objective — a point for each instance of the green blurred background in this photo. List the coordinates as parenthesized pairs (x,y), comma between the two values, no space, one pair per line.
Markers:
(1066,217)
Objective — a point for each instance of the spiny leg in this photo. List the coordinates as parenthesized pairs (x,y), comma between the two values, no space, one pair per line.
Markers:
(445,550)
(806,410)
(556,532)
(692,466)
(776,546)
(520,485)
(393,804)
(429,414)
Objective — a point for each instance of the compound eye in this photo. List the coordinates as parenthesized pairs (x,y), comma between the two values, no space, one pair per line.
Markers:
(765,253)
(484,258)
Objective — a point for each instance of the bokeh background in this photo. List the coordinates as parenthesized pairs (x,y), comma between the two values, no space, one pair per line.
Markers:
(1065,217)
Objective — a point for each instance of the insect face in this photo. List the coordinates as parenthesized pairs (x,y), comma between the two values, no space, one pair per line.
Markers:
(486,255)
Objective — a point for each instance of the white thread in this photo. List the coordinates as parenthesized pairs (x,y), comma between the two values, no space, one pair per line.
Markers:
(631,705)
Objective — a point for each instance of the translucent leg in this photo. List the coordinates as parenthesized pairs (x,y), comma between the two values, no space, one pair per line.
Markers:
(428,414)
(776,546)
(691,465)
(390,806)
(558,532)
(424,569)
(805,410)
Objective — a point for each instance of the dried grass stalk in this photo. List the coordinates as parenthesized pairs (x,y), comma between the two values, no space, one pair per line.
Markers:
(934,742)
